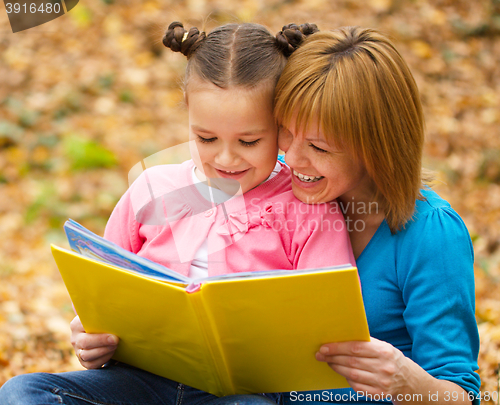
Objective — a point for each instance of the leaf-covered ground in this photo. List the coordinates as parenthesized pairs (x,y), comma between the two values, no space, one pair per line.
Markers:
(86,96)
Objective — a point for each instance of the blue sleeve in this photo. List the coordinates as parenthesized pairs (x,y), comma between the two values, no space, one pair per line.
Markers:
(436,277)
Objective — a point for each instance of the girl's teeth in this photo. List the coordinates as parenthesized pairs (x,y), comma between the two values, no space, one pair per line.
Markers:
(305,178)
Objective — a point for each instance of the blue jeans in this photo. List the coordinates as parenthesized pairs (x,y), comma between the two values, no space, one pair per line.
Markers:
(117,384)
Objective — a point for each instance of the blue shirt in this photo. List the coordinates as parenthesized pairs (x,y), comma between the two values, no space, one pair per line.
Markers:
(418,292)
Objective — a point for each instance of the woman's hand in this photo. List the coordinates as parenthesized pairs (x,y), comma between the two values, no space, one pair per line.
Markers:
(93,350)
(373,367)
(376,367)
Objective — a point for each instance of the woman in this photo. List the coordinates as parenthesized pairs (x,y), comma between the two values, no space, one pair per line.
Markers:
(351,120)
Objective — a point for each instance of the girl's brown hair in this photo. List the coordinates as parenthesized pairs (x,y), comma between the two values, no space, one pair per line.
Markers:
(245,55)
(359,88)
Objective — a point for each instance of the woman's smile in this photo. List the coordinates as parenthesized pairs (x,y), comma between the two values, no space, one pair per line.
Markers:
(304,178)
(320,174)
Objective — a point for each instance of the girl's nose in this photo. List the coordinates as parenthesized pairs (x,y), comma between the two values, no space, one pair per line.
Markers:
(226,157)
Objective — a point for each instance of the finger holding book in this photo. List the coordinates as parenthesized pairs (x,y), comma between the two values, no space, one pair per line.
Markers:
(92,350)
(373,367)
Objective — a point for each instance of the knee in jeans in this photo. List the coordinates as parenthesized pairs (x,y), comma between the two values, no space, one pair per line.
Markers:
(11,391)
(22,389)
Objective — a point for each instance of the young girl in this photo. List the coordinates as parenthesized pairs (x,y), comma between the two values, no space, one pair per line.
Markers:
(189,217)
(229,88)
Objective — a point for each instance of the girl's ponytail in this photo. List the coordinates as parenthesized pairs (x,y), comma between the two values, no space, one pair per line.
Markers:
(291,36)
(179,40)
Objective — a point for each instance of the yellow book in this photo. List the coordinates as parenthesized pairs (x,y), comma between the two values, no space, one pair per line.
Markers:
(238,334)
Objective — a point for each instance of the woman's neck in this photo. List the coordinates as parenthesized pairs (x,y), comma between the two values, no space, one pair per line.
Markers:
(363,215)
(360,201)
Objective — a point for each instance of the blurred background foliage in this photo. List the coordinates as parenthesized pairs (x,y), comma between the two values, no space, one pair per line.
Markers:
(86,96)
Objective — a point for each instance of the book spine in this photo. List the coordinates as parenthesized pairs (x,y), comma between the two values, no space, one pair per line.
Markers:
(208,326)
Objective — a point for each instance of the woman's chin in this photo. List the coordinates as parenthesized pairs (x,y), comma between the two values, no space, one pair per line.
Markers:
(306,196)
(307,192)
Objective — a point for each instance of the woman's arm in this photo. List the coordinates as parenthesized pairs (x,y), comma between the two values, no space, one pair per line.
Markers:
(378,368)
(420,282)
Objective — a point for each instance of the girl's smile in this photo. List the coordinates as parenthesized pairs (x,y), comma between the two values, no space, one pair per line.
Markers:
(234,132)
(235,175)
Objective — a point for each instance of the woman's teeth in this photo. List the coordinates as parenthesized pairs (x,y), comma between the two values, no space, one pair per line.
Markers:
(308,179)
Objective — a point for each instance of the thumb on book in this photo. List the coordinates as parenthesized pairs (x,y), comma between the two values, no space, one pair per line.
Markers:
(112,340)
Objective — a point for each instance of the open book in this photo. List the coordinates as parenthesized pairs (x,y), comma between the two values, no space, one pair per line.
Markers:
(234,334)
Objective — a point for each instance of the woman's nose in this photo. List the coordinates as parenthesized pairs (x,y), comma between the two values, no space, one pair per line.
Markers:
(295,155)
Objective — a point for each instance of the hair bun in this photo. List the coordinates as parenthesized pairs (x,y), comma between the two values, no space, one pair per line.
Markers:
(179,40)
(308,29)
(291,36)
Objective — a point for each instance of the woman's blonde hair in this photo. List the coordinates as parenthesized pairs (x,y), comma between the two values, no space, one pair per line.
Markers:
(365,100)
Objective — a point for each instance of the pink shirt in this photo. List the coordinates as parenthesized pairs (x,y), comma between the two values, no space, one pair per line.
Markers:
(164,218)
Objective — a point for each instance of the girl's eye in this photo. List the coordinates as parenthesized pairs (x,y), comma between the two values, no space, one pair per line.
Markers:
(253,143)
(317,149)
(206,140)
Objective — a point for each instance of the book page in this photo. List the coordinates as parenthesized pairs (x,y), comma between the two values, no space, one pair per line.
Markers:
(93,246)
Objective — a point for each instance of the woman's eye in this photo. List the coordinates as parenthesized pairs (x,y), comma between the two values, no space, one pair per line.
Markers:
(253,143)
(206,140)
(317,149)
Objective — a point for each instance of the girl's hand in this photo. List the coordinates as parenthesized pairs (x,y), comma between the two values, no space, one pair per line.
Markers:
(93,350)
(373,367)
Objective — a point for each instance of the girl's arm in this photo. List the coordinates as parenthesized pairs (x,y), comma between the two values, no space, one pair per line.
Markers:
(121,226)
(93,350)
(320,236)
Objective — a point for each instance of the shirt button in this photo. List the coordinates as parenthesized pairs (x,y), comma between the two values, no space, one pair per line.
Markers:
(209,213)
